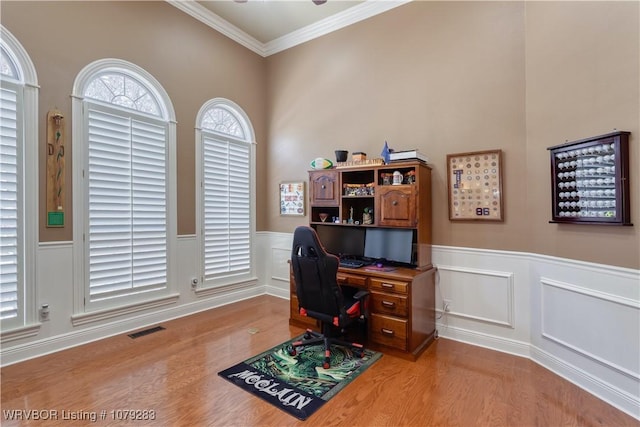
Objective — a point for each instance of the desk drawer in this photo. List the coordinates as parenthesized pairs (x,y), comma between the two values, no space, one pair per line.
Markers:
(389,331)
(352,280)
(395,305)
(390,286)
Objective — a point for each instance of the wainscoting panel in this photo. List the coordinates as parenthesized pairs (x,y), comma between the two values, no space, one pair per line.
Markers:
(479,295)
(273,254)
(580,320)
(279,261)
(488,293)
(586,326)
(55,287)
(572,316)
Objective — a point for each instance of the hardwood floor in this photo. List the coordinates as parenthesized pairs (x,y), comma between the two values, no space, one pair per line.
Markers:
(174,373)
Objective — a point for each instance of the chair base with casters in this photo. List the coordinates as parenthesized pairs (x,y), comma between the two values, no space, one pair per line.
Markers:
(327,337)
(311,337)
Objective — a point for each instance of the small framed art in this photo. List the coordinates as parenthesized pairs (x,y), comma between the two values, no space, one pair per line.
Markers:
(474,182)
(292,196)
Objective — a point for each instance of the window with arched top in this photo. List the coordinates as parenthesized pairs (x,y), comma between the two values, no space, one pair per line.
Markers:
(124,154)
(124,91)
(226,164)
(221,119)
(8,66)
(18,189)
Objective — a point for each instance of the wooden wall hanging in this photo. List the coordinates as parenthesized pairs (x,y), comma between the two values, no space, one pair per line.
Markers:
(55,169)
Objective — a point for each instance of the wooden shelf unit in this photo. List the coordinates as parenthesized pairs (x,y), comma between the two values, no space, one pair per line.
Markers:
(407,205)
(401,318)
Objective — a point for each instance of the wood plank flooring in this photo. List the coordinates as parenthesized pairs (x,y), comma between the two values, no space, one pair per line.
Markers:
(174,373)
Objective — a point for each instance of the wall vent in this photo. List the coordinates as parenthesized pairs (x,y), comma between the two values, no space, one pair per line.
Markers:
(145,332)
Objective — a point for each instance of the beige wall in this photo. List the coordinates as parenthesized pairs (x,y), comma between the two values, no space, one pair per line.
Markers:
(193,63)
(444,77)
(583,79)
(451,77)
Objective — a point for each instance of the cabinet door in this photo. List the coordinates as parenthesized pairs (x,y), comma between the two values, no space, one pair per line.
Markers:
(397,206)
(324,188)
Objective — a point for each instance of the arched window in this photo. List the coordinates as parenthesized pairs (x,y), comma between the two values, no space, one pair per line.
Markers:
(226,160)
(124,155)
(123,90)
(18,189)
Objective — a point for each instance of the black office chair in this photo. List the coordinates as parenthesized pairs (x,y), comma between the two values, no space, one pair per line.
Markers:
(320,296)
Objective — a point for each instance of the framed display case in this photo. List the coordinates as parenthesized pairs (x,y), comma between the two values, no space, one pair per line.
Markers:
(590,180)
(475,186)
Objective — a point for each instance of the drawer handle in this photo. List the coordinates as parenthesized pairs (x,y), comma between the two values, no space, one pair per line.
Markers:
(387,285)
(394,203)
(387,331)
(389,304)
(323,186)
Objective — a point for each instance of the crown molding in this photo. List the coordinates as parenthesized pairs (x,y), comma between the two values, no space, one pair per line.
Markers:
(209,18)
(348,17)
(343,19)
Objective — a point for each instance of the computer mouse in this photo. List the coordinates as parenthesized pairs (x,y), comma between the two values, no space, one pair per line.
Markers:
(379,264)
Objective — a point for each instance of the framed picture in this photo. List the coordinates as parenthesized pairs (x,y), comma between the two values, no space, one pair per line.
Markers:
(590,181)
(292,198)
(474,182)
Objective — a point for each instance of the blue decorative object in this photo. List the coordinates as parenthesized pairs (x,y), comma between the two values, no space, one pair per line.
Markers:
(385,153)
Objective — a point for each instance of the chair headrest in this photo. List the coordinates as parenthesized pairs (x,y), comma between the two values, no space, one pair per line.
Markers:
(306,243)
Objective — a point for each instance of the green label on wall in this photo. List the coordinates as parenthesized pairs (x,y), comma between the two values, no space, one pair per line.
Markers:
(55,219)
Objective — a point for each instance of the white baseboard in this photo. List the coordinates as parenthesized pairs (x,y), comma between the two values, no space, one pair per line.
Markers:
(492,342)
(603,390)
(278,292)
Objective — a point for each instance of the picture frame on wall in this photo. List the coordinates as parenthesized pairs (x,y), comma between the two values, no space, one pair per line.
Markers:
(474,183)
(590,181)
(292,198)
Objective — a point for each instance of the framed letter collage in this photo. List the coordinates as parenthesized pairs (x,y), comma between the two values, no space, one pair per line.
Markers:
(292,198)
(474,183)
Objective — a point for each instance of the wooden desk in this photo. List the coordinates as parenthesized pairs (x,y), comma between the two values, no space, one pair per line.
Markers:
(401,317)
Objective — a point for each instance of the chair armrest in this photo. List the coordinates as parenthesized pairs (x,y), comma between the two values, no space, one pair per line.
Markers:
(361,294)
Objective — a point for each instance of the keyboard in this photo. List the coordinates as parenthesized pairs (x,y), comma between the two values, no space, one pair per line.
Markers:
(351,263)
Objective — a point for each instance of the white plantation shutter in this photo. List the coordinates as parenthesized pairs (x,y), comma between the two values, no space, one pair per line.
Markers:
(11,206)
(127,203)
(227,207)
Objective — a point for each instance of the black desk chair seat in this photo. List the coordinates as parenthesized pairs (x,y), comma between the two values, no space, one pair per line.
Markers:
(320,297)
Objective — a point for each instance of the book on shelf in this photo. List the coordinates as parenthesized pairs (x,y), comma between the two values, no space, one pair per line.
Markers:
(408,155)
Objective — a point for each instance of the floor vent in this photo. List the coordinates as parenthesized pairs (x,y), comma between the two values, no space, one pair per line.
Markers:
(146,332)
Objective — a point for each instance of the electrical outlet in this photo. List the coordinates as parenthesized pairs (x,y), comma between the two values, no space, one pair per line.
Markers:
(446,305)
(44,312)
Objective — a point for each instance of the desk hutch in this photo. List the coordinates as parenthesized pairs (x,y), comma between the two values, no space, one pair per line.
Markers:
(402,300)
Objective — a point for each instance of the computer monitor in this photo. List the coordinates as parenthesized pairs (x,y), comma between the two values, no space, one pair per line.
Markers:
(342,241)
(395,245)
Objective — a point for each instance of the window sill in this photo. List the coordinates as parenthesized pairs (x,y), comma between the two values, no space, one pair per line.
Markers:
(96,316)
(20,332)
(225,288)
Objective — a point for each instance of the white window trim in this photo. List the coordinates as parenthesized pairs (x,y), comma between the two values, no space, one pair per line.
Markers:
(81,314)
(231,282)
(29,79)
